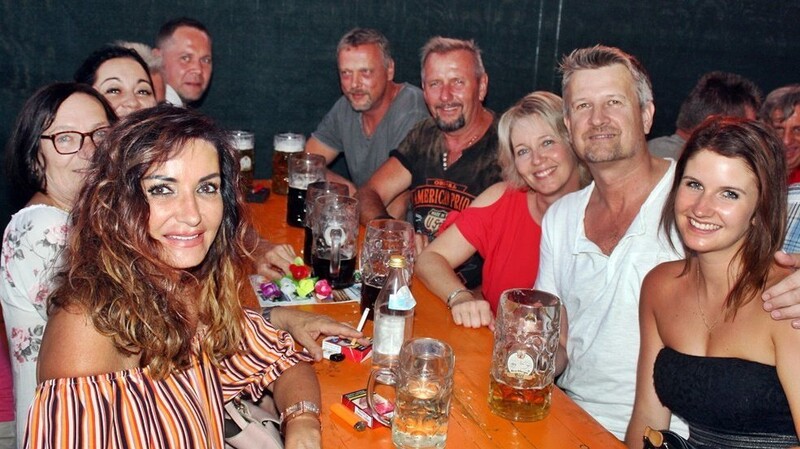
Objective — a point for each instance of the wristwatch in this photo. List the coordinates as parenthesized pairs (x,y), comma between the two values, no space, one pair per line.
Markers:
(297,409)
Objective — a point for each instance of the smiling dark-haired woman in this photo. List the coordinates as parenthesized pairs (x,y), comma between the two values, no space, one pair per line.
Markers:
(147,336)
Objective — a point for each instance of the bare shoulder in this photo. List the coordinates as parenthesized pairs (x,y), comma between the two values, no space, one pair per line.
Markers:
(661,281)
(665,272)
(490,195)
(72,347)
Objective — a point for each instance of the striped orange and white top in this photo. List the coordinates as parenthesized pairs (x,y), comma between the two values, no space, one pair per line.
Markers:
(129,409)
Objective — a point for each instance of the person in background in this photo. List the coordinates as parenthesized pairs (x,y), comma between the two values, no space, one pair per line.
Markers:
(8,429)
(56,133)
(716,93)
(708,351)
(184,46)
(781,110)
(503,223)
(446,160)
(374,113)
(153,66)
(151,283)
(120,75)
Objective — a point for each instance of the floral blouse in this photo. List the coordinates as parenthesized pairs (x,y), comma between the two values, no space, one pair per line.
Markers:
(32,246)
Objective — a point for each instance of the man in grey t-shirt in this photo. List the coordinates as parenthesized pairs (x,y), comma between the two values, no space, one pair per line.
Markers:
(374,114)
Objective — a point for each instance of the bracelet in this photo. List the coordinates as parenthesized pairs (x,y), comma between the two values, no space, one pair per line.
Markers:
(297,409)
(455,293)
(267,313)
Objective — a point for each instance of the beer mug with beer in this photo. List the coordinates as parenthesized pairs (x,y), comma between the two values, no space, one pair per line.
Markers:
(334,239)
(423,379)
(523,359)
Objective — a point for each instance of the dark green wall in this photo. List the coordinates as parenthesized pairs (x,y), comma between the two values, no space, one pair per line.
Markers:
(274,64)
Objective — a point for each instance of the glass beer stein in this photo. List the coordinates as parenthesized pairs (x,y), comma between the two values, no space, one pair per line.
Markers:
(314,191)
(244,143)
(285,144)
(424,383)
(384,237)
(304,169)
(523,360)
(335,233)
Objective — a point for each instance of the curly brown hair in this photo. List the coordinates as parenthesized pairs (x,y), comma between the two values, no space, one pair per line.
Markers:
(112,269)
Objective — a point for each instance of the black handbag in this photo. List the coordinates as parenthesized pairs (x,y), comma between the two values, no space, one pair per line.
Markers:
(664,439)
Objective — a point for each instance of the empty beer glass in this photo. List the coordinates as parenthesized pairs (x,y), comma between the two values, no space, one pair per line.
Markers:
(423,379)
(383,238)
(523,360)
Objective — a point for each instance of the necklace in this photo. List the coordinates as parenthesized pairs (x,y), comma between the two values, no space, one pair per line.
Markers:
(709,327)
(445,155)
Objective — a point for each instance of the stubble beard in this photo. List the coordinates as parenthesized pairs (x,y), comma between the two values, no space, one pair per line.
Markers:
(366,106)
(594,153)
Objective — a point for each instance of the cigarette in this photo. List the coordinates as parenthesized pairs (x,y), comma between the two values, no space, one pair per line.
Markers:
(363,319)
(349,417)
(354,343)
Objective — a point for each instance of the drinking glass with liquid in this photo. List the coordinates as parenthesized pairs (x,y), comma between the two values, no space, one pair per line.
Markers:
(523,358)
(285,144)
(244,142)
(314,191)
(335,233)
(304,169)
(423,379)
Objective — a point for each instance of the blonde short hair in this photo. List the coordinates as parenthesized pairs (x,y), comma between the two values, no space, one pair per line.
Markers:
(545,105)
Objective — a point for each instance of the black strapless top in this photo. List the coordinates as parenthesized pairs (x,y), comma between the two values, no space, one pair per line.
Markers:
(725,394)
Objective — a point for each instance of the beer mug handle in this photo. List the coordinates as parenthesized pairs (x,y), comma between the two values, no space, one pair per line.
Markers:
(375,377)
(336,249)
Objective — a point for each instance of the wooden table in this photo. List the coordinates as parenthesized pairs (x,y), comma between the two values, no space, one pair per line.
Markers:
(471,423)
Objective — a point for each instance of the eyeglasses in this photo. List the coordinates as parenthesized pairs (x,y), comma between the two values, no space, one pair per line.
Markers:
(70,142)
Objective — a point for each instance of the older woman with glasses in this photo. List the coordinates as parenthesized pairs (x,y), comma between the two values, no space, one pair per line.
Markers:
(56,133)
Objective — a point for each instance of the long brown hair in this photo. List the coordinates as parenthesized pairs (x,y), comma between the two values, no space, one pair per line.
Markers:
(755,145)
(112,267)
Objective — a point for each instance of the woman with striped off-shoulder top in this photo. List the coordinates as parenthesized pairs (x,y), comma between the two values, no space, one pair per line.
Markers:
(147,338)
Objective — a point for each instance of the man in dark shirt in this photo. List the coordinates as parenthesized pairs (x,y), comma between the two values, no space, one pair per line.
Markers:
(448,159)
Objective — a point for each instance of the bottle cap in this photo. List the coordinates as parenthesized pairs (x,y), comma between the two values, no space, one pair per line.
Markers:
(397,261)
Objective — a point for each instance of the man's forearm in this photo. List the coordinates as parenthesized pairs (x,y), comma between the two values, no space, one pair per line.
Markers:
(331,176)
(371,204)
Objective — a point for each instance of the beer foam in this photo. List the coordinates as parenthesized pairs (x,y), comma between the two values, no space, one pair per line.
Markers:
(289,146)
